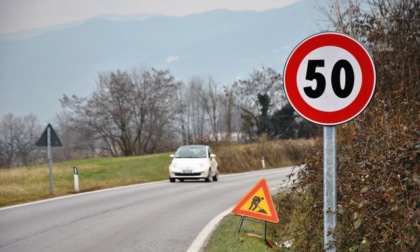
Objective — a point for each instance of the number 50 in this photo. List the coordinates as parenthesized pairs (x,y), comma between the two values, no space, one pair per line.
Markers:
(312,74)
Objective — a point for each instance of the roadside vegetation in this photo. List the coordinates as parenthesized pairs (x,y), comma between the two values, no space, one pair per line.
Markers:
(378,153)
(25,184)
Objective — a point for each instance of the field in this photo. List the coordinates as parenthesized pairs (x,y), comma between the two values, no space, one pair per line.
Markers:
(25,184)
(18,185)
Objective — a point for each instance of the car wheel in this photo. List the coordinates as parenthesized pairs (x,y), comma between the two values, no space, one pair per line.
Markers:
(216,176)
(208,177)
(172,180)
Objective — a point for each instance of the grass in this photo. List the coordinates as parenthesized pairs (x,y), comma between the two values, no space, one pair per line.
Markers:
(226,238)
(24,184)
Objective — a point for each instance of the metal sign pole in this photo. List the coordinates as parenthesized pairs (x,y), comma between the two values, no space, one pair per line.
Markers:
(330,188)
(49,157)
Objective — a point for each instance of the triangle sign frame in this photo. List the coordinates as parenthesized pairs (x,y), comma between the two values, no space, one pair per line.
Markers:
(257,204)
(43,140)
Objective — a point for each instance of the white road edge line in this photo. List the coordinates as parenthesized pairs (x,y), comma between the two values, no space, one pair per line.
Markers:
(206,232)
(77,194)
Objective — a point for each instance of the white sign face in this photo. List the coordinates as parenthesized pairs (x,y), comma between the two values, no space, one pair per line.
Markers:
(329,78)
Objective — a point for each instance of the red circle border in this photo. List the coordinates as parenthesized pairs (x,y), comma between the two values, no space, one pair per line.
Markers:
(368,78)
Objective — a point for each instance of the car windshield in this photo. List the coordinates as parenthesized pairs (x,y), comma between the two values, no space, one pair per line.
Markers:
(191,152)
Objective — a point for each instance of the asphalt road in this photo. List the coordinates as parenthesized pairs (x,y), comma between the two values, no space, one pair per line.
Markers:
(158,216)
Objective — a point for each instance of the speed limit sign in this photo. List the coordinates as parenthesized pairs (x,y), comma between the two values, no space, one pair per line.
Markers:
(329,78)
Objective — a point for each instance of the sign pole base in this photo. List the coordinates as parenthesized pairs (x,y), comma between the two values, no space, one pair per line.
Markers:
(264,234)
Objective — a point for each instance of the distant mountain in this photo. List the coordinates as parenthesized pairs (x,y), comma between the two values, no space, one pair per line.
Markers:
(37,68)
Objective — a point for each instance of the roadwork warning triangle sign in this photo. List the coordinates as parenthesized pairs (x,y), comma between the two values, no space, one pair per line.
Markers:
(257,204)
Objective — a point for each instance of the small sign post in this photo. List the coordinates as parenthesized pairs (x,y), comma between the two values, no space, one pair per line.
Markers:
(329,79)
(49,138)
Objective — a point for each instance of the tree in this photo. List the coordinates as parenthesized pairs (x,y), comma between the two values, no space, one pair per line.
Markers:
(252,96)
(229,113)
(78,140)
(283,123)
(8,139)
(195,111)
(131,112)
(209,101)
(377,156)
(26,136)
(391,32)
(263,120)
(17,139)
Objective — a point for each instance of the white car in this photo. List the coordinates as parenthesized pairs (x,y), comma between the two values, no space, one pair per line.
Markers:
(193,162)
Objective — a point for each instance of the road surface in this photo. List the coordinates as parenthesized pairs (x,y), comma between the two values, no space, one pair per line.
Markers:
(159,216)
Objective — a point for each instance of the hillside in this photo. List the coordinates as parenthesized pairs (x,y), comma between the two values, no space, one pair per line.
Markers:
(42,65)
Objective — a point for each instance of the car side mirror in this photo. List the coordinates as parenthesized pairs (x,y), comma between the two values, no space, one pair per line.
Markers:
(212,155)
(172,156)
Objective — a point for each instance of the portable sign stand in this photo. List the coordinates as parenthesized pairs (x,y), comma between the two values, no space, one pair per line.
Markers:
(329,79)
(257,204)
(49,138)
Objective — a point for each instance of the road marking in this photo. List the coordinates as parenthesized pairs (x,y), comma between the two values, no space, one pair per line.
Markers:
(78,194)
(205,234)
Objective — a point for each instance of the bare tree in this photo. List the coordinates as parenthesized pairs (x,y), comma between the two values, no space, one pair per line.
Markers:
(378,151)
(8,139)
(181,112)
(26,135)
(78,140)
(391,32)
(195,112)
(130,112)
(227,112)
(209,101)
(17,139)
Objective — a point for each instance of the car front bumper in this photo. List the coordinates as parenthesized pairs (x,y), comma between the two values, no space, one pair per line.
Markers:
(188,174)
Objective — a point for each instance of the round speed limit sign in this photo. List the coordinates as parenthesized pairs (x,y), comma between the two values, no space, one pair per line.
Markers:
(329,78)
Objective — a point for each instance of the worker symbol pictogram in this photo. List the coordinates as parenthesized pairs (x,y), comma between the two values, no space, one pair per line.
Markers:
(257,204)
(254,204)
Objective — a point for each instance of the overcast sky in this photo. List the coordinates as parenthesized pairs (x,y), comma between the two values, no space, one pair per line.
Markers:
(21,15)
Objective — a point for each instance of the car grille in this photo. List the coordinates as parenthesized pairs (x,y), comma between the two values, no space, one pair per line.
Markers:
(187,174)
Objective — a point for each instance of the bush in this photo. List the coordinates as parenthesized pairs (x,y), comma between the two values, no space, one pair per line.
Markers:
(378,169)
(242,158)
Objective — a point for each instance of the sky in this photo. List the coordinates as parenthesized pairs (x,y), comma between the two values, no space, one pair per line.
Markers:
(23,15)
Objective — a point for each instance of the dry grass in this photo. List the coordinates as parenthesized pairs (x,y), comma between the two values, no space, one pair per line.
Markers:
(241,158)
(24,184)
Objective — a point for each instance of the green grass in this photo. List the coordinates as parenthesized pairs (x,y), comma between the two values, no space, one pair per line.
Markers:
(226,238)
(24,184)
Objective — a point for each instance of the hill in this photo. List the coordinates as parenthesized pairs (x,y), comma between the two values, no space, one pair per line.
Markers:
(38,67)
